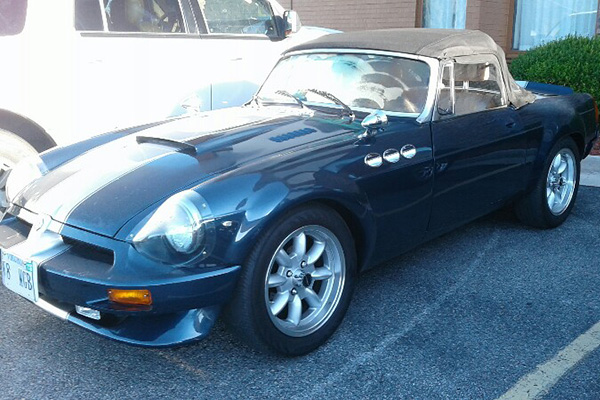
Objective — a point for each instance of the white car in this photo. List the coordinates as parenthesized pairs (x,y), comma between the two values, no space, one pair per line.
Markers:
(72,69)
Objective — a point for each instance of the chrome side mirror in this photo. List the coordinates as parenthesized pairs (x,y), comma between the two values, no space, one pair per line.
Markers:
(291,22)
(374,123)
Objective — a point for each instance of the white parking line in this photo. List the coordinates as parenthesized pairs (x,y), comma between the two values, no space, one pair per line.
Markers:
(538,383)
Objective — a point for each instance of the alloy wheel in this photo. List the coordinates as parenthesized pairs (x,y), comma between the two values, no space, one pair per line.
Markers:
(560,184)
(305,280)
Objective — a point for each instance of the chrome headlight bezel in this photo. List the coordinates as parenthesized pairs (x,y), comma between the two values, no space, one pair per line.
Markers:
(180,231)
(22,175)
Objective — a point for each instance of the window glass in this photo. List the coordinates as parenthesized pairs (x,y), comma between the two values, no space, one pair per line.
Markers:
(360,81)
(88,15)
(477,87)
(542,21)
(448,14)
(250,17)
(445,101)
(12,16)
(144,16)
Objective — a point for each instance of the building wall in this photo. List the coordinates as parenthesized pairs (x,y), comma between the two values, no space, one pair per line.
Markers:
(353,15)
(493,17)
(473,14)
(490,16)
(495,21)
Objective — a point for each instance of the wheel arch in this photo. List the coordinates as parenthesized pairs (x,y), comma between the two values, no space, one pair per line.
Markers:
(354,213)
(554,133)
(27,130)
(363,242)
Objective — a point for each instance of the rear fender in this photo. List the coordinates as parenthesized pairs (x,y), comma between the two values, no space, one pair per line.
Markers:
(553,133)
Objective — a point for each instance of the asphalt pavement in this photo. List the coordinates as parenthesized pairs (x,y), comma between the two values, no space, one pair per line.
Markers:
(487,311)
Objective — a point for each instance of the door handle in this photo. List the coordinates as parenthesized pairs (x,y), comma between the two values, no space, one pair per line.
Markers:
(511,124)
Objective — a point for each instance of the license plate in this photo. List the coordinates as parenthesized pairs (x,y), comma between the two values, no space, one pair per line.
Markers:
(19,275)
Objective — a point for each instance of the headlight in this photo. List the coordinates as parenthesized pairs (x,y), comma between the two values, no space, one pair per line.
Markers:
(25,172)
(179,231)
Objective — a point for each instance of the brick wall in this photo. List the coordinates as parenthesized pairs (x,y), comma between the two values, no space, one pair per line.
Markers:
(490,16)
(354,15)
(495,21)
(473,14)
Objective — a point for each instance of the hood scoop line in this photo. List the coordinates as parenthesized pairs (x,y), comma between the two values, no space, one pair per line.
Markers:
(182,146)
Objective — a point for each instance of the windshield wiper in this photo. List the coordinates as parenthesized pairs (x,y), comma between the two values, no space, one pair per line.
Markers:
(348,111)
(288,94)
(184,147)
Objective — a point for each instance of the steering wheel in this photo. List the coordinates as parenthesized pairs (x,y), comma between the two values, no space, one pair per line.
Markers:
(167,22)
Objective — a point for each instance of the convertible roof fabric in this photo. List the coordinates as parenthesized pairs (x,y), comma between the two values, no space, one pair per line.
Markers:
(435,43)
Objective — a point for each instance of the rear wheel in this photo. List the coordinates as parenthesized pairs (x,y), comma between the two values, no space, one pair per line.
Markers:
(297,284)
(550,202)
(12,150)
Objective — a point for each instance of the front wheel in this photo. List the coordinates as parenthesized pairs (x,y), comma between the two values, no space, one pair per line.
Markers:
(297,283)
(550,202)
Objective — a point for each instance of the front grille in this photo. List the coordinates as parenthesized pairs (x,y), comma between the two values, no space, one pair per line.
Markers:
(89,252)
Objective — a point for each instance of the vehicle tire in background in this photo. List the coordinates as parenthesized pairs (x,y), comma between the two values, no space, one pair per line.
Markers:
(550,202)
(296,285)
(12,150)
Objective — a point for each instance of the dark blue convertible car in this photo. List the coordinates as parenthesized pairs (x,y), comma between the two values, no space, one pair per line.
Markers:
(357,148)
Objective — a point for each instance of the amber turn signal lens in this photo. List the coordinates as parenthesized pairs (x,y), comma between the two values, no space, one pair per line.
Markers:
(133,297)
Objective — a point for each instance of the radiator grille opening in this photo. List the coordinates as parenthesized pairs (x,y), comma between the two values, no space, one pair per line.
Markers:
(90,252)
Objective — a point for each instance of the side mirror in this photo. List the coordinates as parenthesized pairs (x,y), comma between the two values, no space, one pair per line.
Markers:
(291,22)
(373,123)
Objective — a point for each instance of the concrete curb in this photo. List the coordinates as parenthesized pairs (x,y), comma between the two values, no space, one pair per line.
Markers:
(590,171)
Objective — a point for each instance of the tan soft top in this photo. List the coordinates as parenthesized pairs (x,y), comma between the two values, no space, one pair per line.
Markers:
(436,43)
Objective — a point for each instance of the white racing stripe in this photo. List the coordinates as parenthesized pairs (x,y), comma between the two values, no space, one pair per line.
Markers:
(538,383)
(93,171)
(97,168)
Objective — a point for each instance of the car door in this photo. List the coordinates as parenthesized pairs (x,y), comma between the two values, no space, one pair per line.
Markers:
(392,164)
(479,145)
(242,39)
(134,60)
(394,170)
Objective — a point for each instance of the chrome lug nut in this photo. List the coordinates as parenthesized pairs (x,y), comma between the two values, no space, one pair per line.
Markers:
(289,274)
(294,292)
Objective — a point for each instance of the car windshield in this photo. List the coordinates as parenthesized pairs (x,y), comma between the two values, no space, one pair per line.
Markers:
(12,16)
(361,81)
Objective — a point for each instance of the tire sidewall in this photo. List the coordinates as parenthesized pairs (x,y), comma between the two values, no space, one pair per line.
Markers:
(268,333)
(551,219)
(14,148)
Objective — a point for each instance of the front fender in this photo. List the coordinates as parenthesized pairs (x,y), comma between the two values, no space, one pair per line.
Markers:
(251,203)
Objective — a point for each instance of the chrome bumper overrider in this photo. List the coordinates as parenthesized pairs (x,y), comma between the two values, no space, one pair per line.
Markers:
(52,309)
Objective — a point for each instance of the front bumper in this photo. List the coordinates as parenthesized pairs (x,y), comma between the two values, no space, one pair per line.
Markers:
(76,268)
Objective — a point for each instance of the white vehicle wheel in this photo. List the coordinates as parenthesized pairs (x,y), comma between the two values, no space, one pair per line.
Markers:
(12,150)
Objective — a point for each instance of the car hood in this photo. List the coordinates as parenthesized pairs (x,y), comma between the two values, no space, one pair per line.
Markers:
(102,189)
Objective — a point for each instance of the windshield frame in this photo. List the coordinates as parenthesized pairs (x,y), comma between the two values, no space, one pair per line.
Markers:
(434,68)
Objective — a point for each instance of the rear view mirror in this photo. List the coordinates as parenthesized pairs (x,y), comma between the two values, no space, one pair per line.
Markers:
(291,22)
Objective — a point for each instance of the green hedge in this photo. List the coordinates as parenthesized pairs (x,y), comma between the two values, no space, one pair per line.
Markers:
(573,61)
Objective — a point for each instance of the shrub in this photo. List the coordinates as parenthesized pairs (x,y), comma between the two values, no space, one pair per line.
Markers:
(573,61)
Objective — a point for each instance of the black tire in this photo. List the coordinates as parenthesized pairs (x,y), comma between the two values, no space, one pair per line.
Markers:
(249,314)
(533,209)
